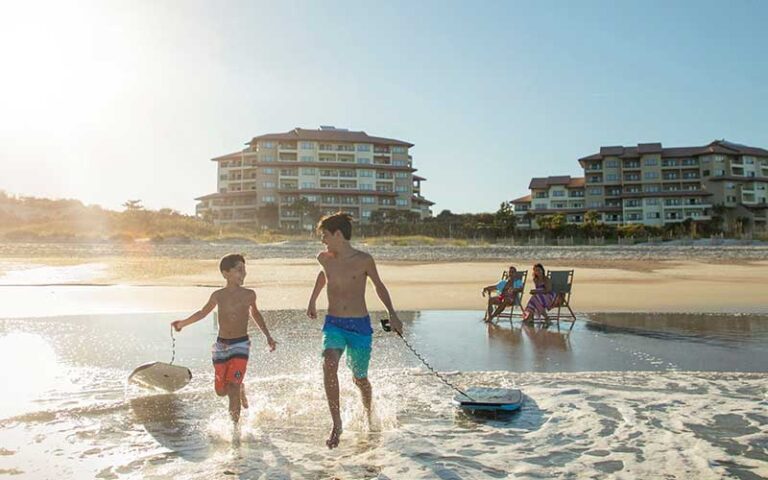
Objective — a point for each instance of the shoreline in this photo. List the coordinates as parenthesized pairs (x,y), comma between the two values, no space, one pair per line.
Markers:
(132,285)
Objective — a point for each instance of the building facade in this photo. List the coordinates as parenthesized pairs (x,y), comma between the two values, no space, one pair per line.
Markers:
(332,169)
(652,185)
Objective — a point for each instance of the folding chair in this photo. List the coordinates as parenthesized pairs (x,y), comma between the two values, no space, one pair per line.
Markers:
(509,310)
(562,285)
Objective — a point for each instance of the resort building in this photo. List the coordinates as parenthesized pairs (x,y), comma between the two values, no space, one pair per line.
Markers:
(332,169)
(550,195)
(653,185)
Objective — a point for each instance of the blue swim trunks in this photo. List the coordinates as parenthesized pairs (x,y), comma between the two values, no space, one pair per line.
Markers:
(353,335)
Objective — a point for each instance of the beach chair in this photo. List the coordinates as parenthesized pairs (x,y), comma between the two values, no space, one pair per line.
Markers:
(562,285)
(509,310)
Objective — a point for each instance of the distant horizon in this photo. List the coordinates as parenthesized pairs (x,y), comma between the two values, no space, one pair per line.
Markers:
(146,94)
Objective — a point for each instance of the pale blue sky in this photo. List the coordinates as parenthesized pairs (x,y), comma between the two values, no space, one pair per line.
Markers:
(105,101)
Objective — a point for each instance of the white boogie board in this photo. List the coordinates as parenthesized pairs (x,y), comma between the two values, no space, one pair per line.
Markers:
(490,399)
(161,375)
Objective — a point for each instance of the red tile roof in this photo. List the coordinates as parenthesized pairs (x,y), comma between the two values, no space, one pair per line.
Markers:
(717,146)
(334,135)
(565,180)
(523,199)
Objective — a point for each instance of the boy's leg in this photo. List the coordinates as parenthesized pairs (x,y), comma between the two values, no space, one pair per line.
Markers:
(358,359)
(233,392)
(243,398)
(331,358)
(366,394)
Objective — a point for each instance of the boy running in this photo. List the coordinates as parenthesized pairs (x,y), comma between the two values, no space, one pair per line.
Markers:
(230,352)
(347,325)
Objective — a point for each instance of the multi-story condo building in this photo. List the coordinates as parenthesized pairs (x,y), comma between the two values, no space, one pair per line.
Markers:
(549,195)
(653,185)
(333,168)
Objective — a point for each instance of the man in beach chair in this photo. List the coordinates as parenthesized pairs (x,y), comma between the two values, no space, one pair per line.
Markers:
(508,294)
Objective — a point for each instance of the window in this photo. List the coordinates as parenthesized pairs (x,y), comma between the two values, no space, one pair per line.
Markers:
(310,198)
(651,161)
(307,145)
(223,177)
(365,186)
(705,173)
(612,163)
(595,204)
(651,201)
(307,158)
(399,150)
(402,188)
(400,163)
(595,191)
(558,193)
(267,144)
(268,199)
(363,148)
(366,214)
(368,200)
(365,173)
(611,177)
(306,185)
(269,171)
(652,215)
(308,171)
(401,202)
(651,175)
(268,184)
(289,172)
(540,206)
(402,175)
(364,160)
(268,158)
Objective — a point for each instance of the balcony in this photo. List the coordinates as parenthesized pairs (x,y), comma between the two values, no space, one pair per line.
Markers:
(286,146)
(631,166)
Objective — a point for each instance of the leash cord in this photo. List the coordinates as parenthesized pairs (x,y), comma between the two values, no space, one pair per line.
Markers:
(437,374)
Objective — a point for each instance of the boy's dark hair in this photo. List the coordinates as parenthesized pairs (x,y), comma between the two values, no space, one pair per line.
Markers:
(338,221)
(228,262)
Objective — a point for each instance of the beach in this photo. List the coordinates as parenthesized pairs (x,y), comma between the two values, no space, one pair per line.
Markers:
(80,279)
(664,372)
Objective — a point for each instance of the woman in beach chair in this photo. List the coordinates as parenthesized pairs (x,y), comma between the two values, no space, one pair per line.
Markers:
(542,297)
(510,286)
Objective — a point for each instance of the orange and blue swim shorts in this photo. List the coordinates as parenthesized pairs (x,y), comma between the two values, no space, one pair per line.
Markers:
(230,359)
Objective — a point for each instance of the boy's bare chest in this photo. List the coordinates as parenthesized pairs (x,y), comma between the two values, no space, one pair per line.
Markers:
(339,271)
(233,300)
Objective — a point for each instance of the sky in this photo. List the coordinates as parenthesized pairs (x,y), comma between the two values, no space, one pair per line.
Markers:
(106,101)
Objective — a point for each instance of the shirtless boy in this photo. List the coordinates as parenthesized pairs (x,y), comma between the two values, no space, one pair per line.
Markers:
(230,352)
(347,325)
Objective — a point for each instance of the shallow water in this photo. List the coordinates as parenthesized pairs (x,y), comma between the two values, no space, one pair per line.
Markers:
(622,395)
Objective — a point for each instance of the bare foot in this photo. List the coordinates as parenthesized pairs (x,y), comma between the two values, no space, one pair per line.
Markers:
(333,439)
(243,398)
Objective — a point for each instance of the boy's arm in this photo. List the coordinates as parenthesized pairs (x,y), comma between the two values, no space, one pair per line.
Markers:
(259,319)
(383,293)
(319,285)
(197,316)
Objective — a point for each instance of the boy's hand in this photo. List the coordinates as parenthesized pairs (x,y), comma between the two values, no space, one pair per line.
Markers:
(272,344)
(312,311)
(396,324)
(178,325)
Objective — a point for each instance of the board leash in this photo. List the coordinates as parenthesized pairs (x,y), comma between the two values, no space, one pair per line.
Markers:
(426,364)
(173,347)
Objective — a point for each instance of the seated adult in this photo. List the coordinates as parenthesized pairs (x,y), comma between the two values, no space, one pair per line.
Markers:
(542,296)
(507,289)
